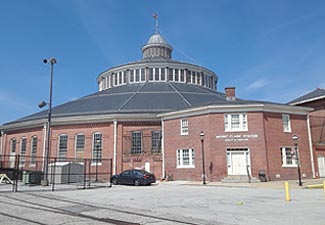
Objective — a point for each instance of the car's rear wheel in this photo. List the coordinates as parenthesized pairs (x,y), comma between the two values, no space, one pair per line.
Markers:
(137,182)
(114,181)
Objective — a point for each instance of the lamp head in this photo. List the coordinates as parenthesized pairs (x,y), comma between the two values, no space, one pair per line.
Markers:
(51,60)
(42,104)
(295,138)
(202,135)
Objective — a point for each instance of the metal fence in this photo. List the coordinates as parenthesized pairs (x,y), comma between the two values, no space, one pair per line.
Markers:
(24,170)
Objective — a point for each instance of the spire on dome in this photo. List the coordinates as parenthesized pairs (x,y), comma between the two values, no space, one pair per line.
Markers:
(155,16)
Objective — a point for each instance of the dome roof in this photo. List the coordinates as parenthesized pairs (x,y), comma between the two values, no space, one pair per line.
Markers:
(157,47)
(150,98)
(157,39)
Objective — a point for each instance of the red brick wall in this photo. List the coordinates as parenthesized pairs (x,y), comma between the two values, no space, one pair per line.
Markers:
(317,105)
(276,139)
(28,134)
(107,130)
(265,137)
(129,161)
(88,130)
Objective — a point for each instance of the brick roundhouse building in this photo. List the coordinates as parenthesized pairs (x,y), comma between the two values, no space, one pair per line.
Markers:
(150,114)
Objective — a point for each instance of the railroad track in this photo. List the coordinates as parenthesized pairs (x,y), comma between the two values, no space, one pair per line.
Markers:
(39,203)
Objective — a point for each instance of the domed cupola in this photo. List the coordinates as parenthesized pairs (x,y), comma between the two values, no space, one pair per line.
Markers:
(157,48)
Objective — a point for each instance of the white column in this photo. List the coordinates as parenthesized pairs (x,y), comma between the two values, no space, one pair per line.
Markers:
(44,142)
(311,147)
(1,143)
(115,146)
(163,148)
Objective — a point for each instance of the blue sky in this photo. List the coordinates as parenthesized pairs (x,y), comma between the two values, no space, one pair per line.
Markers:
(268,50)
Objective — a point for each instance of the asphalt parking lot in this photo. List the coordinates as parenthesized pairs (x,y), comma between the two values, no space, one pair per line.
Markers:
(167,203)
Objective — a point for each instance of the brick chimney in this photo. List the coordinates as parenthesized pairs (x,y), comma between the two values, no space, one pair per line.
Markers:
(230,93)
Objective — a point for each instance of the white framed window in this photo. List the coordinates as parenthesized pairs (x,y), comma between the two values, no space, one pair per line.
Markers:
(150,77)
(136,144)
(163,74)
(97,149)
(185,158)
(137,75)
(288,157)
(184,127)
(79,146)
(23,143)
(33,151)
(156,141)
(63,147)
(132,78)
(236,122)
(13,144)
(143,74)
(286,123)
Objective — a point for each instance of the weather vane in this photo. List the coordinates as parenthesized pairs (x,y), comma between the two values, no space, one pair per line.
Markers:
(155,16)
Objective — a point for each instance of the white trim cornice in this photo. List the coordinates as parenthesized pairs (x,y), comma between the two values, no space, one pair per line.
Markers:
(71,120)
(308,100)
(236,108)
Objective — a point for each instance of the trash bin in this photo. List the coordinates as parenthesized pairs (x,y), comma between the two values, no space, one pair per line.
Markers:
(262,176)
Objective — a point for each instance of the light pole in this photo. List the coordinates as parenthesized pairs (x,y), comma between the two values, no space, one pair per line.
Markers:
(203,161)
(295,140)
(45,182)
(97,149)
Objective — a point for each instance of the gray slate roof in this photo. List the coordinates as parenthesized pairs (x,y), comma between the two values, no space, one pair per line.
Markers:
(149,97)
(318,93)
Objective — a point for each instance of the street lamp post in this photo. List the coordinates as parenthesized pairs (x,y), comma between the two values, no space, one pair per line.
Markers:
(203,160)
(295,139)
(45,181)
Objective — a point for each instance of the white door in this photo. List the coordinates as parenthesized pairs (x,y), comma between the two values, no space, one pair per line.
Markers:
(321,166)
(147,166)
(237,162)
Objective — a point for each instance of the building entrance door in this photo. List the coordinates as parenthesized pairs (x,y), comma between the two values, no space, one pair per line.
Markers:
(238,161)
(321,166)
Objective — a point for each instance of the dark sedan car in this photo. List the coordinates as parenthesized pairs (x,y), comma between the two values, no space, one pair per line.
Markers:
(134,177)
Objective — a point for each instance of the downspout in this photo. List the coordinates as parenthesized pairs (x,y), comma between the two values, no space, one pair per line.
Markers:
(4,141)
(266,150)
(163,149)
(311,147)
(1,143)
(44,143)
(115,147)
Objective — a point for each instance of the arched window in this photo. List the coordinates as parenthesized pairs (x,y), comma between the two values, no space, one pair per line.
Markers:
(23,142)
(63,147)
(97,148)
(80,146)
(13,144)
(33,151)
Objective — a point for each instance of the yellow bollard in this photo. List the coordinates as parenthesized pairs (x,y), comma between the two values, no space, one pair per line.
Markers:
(286,185)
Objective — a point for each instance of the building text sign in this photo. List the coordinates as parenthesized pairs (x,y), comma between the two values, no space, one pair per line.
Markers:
(236,137)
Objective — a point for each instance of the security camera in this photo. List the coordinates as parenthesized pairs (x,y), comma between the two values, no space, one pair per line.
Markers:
(45,61)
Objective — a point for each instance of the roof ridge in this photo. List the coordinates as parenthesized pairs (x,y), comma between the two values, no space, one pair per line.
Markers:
(130,97)
(184,99)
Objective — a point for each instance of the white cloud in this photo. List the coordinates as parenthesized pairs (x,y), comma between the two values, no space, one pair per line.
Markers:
(260,83)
